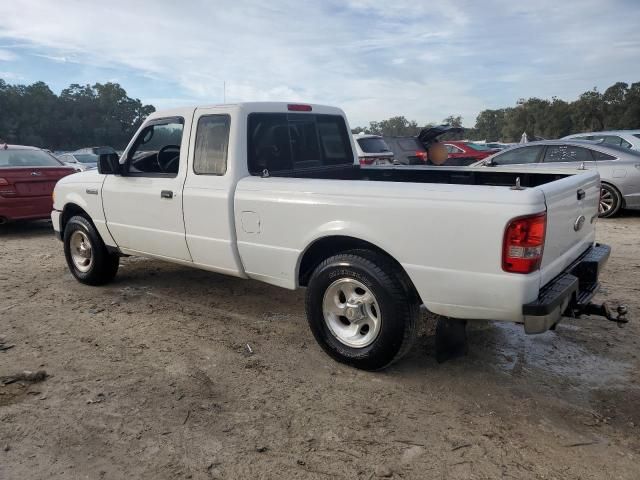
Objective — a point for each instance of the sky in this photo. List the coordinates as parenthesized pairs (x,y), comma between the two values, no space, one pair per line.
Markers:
(375,59)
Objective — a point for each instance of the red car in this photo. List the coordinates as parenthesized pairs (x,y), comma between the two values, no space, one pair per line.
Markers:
(468,152)
(27,178)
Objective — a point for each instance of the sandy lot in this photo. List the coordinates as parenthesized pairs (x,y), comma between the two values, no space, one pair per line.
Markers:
(151,377)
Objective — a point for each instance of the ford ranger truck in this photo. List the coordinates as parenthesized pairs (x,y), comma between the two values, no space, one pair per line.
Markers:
(269,192)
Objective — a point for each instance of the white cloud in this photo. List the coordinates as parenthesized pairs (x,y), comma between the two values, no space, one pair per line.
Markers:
(373,58)
(7,55)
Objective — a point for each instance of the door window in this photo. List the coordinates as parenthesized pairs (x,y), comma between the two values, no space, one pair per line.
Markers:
(566,153)
(518,156)
(156,151)
(212,144)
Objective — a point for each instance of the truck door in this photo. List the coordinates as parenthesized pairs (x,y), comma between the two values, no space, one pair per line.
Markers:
(209,192)
(143,207)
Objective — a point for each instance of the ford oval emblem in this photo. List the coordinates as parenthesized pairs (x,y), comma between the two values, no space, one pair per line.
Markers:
(577,226)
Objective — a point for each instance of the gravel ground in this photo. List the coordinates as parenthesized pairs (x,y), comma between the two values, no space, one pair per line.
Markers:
(177,373)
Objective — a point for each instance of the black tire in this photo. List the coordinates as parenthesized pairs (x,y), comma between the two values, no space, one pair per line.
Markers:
(103,266)
(610,201)
(399,308)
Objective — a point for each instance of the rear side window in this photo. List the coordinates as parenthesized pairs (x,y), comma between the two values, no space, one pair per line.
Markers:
(566,153)
(518,156)
(212,144)
(601,156)
(281,141)
(27,158)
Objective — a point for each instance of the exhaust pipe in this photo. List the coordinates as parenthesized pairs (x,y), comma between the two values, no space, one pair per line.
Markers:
(3,220)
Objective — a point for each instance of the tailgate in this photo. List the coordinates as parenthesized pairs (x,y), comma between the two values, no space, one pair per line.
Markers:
(572,211)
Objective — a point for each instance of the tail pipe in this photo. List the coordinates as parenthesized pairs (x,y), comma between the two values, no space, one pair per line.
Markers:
(4,220)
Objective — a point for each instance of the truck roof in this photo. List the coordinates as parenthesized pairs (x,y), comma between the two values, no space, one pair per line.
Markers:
(250,107)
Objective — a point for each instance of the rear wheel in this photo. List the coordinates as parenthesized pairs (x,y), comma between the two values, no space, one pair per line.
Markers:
(86,254)
(360,311)
(610,201)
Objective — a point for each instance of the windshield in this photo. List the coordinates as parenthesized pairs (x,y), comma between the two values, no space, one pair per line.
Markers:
(26,158)
(373,145)
(478,147)
(86,157)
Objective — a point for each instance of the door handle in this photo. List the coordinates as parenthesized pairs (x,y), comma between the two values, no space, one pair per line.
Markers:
(166,194)
(581,194)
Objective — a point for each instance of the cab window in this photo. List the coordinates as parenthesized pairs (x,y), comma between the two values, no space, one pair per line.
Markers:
(281,142)
(156,150)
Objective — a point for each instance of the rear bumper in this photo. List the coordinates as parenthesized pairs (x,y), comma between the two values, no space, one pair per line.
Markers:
(25,208)
(573,288)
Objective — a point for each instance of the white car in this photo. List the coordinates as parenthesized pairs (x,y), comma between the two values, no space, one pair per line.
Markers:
(372,150)
(80,161)
(619,138)
(269,191)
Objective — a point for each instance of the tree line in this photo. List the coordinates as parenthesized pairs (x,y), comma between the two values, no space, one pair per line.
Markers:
(103,114)
(617,108)
(81,116)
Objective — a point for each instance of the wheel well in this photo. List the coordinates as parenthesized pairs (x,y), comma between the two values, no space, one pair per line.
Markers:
(327,247)
(71,210)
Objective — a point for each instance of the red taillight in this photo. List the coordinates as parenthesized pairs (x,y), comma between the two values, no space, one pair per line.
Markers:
(366,160)
(523,243)
(6,189)
(297,107)
(422,155)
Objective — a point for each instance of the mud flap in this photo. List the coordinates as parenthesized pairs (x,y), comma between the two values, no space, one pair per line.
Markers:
(451,339)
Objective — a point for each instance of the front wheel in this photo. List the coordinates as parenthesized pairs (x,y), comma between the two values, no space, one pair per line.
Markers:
(87,256)
(360,311)
(610,201)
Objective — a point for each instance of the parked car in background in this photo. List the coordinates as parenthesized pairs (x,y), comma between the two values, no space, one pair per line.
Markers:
(467,152)
(407,150)
(619,167)
(27,178)
(372,150)
(80,160)
(495,145)
(414,150)
(618,138)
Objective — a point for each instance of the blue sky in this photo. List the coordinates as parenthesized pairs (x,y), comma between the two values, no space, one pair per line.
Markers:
(375,59)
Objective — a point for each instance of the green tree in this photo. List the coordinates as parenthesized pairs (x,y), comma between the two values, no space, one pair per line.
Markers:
(82,115)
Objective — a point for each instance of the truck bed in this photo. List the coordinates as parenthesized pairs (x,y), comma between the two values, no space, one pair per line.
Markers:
(428,174)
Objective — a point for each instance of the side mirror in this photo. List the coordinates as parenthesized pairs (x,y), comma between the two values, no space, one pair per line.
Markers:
(109,163)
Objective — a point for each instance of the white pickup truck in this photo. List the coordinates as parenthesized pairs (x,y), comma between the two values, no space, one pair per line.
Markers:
(269,191)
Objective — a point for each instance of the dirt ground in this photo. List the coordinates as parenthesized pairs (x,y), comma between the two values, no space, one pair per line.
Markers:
(151,377)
